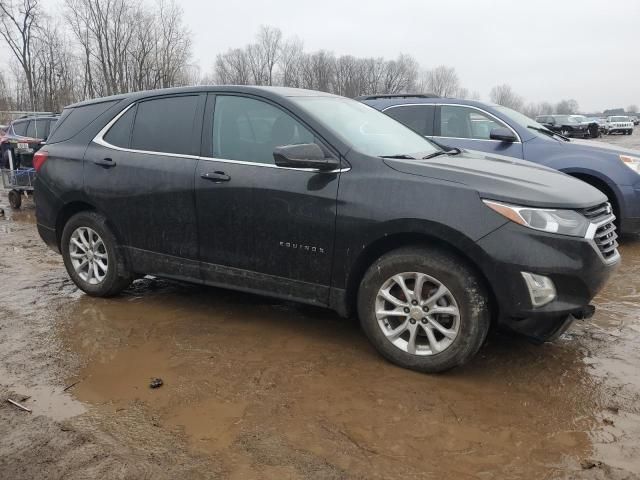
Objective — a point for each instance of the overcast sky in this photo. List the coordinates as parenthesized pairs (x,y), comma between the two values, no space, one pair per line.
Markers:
(545,49)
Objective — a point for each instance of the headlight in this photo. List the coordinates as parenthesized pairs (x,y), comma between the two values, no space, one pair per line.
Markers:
(632,162)
(564,222)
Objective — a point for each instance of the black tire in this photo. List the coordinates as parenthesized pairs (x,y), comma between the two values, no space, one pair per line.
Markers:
(565,132)
(467,290)
(118,277)
(15,199)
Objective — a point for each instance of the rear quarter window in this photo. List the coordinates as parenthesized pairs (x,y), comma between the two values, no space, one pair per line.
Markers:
(120,132)
(74,120)
(416,117)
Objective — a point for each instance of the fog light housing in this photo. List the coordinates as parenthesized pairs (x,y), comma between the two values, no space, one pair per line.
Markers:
(541,288)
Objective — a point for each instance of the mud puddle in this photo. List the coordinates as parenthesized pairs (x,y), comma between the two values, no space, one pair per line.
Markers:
(256,388)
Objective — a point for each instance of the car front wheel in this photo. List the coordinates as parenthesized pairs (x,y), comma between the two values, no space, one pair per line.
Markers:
(92,256)
(423,309)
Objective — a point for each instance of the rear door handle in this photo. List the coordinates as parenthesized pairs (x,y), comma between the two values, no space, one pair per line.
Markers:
(105,162)
(216,177)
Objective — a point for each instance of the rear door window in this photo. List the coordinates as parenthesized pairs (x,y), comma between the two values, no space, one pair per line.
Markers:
(416,117)
(166,125)
(20,128)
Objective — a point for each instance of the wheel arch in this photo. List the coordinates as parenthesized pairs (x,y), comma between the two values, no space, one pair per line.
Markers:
(462,248)
(77,206)
(597,180)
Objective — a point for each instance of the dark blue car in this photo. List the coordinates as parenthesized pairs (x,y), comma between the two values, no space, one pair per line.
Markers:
(499,130)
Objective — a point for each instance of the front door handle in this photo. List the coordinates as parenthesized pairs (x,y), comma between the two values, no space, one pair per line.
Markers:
(105,162)
(216,177)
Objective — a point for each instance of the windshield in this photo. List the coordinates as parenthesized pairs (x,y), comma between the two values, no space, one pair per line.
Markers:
(518,117)
(364,128)
(580,118)
(619,119)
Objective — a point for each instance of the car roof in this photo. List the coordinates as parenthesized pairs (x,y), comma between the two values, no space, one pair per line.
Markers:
(382,102)
(269,92)
(36,117)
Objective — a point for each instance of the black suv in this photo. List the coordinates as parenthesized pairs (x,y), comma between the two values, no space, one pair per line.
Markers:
(320,199)
(566,125)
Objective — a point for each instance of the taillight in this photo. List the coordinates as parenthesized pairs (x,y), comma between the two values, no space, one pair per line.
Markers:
(39,158)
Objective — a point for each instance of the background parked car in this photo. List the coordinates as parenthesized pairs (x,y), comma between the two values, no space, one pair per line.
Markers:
(22,138)
(635,119)
(592,125)
(618,124)
(565,125)
(499,130)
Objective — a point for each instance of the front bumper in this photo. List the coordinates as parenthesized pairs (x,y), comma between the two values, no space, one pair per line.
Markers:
(576,132)
(574,264)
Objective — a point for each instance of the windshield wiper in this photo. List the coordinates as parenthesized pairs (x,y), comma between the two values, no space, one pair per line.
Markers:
(548,132)
(402,156)
(452,151)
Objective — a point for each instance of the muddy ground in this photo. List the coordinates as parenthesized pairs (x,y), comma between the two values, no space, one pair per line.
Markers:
(256,388)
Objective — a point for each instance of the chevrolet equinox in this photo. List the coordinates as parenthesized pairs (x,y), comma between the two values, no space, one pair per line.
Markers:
(316,198)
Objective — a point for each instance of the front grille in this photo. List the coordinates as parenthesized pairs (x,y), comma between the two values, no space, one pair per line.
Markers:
(605,236)
(597,212)
(605,239)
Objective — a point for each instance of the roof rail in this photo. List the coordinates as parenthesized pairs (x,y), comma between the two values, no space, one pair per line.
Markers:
(397,95)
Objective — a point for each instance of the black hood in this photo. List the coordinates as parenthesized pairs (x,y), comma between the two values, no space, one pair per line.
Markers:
(506,179)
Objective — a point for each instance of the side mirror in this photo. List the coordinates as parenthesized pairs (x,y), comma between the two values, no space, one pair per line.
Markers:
(304,155)
(502,134)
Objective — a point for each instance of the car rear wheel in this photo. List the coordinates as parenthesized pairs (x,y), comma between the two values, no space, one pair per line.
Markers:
(92,256)
(423,309)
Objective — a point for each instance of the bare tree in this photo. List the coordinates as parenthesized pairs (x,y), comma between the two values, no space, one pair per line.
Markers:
(18,26)
(504,95)
(56,68)
(567,107)
(270,42)
(442,81)
(399,75)
(462,93)
(633,108)
(173,45)
(290,58)
(532,110)
(475,95)
(232,68)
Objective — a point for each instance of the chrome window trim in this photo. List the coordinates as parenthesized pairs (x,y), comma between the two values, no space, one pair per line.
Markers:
(99,139)
(465,106)
(270,165)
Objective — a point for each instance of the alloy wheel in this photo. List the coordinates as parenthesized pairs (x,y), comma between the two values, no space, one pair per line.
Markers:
(417,313)
(88,255)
